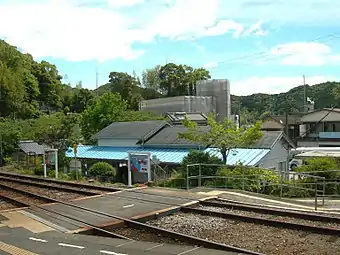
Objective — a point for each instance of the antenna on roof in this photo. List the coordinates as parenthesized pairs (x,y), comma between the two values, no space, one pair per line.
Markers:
(97,75)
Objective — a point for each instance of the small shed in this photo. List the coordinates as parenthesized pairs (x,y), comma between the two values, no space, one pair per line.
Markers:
(29,152)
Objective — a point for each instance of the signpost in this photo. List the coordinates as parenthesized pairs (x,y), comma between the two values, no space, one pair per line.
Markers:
(139,162)
(75,150)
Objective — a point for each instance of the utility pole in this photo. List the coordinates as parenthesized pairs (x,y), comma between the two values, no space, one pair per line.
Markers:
(304,93)
(97,77)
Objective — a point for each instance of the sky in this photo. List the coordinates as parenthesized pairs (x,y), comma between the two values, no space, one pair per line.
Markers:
(261,46)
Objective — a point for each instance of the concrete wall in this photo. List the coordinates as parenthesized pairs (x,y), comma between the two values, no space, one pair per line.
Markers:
(276,155)
(205,104)
(118,142)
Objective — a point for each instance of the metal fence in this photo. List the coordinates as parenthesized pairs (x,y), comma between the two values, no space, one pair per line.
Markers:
(269,182)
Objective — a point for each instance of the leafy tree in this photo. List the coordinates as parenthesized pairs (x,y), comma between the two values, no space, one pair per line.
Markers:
(80,100)
(222,135)
(200,157)
(178,80)
(171,79)
(151,79)
(103,110)
(49,84)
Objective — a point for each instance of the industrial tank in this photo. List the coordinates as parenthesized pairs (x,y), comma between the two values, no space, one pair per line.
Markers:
(220,90)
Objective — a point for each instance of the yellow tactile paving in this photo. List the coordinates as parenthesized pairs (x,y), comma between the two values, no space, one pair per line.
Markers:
(17,219)
(14,250)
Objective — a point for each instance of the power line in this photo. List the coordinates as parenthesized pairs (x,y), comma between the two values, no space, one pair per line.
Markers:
(265,54)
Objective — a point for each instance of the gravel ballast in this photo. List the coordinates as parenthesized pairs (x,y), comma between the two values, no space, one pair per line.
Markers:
(51,193)
(260,238)
(7,205)
(271,217)
(21,197)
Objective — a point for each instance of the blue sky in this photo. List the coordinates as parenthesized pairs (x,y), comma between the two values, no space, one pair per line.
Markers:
(259,45)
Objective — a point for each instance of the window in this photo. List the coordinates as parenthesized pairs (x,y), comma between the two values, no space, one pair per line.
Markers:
(312,127)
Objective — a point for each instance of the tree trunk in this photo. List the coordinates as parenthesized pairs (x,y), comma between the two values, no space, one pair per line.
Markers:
(225,153)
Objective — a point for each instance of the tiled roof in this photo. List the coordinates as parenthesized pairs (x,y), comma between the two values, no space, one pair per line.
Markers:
(249,157)
(134,129)
(30,147)
(169,136)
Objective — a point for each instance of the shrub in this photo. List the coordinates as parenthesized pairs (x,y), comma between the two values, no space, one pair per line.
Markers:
(200,157)
(254,179)
(319,165)
(39,170)
(177,180)
(102,169)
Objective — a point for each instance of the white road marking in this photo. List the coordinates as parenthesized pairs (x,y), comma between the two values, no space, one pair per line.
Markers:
(71,245)
(38,240)
(188,251)
(112,253)
(128,206)
(153,247)
(119,245)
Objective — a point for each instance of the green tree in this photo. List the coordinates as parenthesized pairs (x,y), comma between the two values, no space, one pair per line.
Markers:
(192,76)
(171,79)
(125,85)
(151,79)
(222,135)
(178,80)
(103,110)
(80,100)
(200,157)
(49,85)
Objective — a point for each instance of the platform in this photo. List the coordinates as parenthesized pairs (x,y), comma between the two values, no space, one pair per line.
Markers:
(19,237)
(275,202)
(132,204)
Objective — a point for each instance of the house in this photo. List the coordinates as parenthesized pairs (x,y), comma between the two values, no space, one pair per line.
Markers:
(160,138)
(320,128)
(278,122)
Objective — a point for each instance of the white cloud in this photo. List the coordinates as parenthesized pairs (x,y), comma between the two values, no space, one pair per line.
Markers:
(274,84)
(310,12)
(124,3)
(305,53)
(224,26)
(256,29)
(78,30)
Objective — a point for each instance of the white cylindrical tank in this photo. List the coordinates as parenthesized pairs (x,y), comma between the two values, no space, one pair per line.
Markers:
(302,130)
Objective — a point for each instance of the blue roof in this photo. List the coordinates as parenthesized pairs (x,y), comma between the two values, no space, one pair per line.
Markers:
(247,157)
(165,155)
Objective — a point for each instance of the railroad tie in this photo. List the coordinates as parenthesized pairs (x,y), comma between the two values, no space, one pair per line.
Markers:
(13,250)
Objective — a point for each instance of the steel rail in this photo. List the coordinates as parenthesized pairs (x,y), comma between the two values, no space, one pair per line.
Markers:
(44,185)
(268,222)
(139,225)
(66,183)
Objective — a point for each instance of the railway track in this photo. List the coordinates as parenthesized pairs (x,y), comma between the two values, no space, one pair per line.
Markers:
(8,203)
(134,229)
(66,185)
(256,214)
